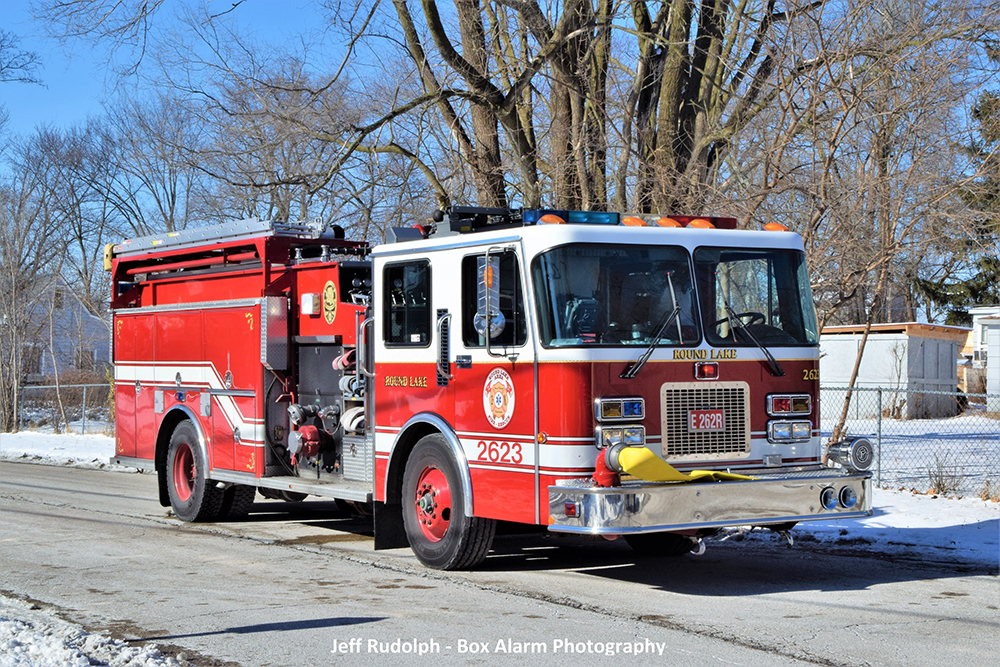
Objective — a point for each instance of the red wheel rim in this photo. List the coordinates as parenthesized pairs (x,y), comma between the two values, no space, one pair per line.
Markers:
(184,471)
(433,504)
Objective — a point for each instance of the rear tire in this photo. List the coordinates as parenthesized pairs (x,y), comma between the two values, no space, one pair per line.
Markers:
(437,528)
(237,501)
(193,496)
(659,544)
(277,494)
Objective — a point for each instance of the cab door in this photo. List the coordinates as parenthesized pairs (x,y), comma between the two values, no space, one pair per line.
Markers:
(407,337)
(494,383)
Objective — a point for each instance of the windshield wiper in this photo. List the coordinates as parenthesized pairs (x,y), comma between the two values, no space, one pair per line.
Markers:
(772,363)
(634,369)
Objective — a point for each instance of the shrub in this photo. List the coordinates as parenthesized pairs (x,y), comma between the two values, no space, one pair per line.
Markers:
(945,477)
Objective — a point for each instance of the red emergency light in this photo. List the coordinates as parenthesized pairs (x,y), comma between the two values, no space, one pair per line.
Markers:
(706,370)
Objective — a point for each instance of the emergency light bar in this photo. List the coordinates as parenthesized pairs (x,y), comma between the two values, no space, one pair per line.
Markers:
(465,219)
(549,216)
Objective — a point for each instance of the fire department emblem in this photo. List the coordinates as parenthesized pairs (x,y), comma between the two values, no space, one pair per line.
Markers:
(330,302)
(498,398)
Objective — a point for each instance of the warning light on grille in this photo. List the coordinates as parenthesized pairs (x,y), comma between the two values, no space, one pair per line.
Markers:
(789,404)
(706,370)
(570,509)
(619,409)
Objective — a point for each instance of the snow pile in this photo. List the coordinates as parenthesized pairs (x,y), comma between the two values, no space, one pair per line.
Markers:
(36,638)
(79,451)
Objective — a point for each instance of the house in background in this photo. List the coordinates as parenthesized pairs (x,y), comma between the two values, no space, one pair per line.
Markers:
(983,346)
(905,358)
(69,340)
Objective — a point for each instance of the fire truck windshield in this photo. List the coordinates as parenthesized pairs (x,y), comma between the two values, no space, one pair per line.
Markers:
(615,296)
(767,291)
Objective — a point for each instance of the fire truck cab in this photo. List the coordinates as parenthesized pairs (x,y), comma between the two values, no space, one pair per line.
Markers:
(649,377)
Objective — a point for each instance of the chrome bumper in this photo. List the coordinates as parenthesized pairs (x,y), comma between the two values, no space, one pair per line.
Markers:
(644,507)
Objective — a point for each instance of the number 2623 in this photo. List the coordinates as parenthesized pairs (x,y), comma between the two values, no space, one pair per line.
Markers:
(499,452)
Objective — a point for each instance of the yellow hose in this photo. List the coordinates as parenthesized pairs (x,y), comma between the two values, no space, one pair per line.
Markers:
(644,464)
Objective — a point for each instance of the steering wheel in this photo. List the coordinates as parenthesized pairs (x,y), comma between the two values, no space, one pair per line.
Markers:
(755,318)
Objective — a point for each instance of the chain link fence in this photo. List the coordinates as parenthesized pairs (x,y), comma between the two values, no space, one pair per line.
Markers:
(68,408)
(946,442)
(943,442)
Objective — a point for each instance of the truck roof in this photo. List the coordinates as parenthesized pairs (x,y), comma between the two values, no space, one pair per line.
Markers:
(539,237)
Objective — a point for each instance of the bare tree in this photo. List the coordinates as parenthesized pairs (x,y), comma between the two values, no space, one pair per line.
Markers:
(16,64)
(30,247)
(145,173)
(836,118)
(119,25)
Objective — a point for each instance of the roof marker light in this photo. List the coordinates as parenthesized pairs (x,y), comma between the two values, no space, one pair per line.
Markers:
(775,227)
(668,222)
(633,221)
(701,223)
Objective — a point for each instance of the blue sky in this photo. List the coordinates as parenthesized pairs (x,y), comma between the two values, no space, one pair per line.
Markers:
(73,76)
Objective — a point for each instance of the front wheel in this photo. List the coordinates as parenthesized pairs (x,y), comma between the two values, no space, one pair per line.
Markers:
(193,496)
(437,528)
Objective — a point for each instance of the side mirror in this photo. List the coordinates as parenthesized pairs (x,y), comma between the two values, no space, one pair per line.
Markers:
(488,298)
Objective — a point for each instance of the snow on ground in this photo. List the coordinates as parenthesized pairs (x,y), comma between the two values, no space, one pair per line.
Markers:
(34,637)
(79,451)
(963,531)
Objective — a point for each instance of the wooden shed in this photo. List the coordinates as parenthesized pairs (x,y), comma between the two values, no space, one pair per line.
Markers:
(906,358)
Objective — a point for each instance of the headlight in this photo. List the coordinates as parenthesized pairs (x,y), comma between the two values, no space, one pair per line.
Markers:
(634,436)
(788,431)
(631,436)
(611,436)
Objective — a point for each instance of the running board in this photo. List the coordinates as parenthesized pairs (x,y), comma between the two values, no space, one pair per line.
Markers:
(361,493)
(358,492)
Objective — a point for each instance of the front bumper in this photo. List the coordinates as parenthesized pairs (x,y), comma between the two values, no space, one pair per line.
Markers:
(575,506)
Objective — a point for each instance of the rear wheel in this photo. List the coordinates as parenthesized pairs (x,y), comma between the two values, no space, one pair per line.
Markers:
(437,528)
(277,494)
(659,544)
(193,496)
(237,501)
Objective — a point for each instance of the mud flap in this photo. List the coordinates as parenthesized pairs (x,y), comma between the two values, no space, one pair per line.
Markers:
(389,530)
(162,484)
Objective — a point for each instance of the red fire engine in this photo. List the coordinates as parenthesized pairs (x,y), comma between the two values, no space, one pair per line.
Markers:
(654,378)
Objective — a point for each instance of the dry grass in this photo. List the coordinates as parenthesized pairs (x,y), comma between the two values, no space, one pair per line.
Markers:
(990,491)
(945,477)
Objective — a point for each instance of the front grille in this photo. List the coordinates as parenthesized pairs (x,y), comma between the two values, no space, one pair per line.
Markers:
(680,443)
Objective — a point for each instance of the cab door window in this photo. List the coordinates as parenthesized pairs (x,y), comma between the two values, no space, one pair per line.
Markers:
(510,301)
(407,304)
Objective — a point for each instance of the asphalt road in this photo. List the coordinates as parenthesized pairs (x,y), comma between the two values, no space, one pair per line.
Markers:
(299,584)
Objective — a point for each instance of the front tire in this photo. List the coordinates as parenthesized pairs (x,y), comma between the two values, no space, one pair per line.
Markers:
(439,532)
(193,496)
